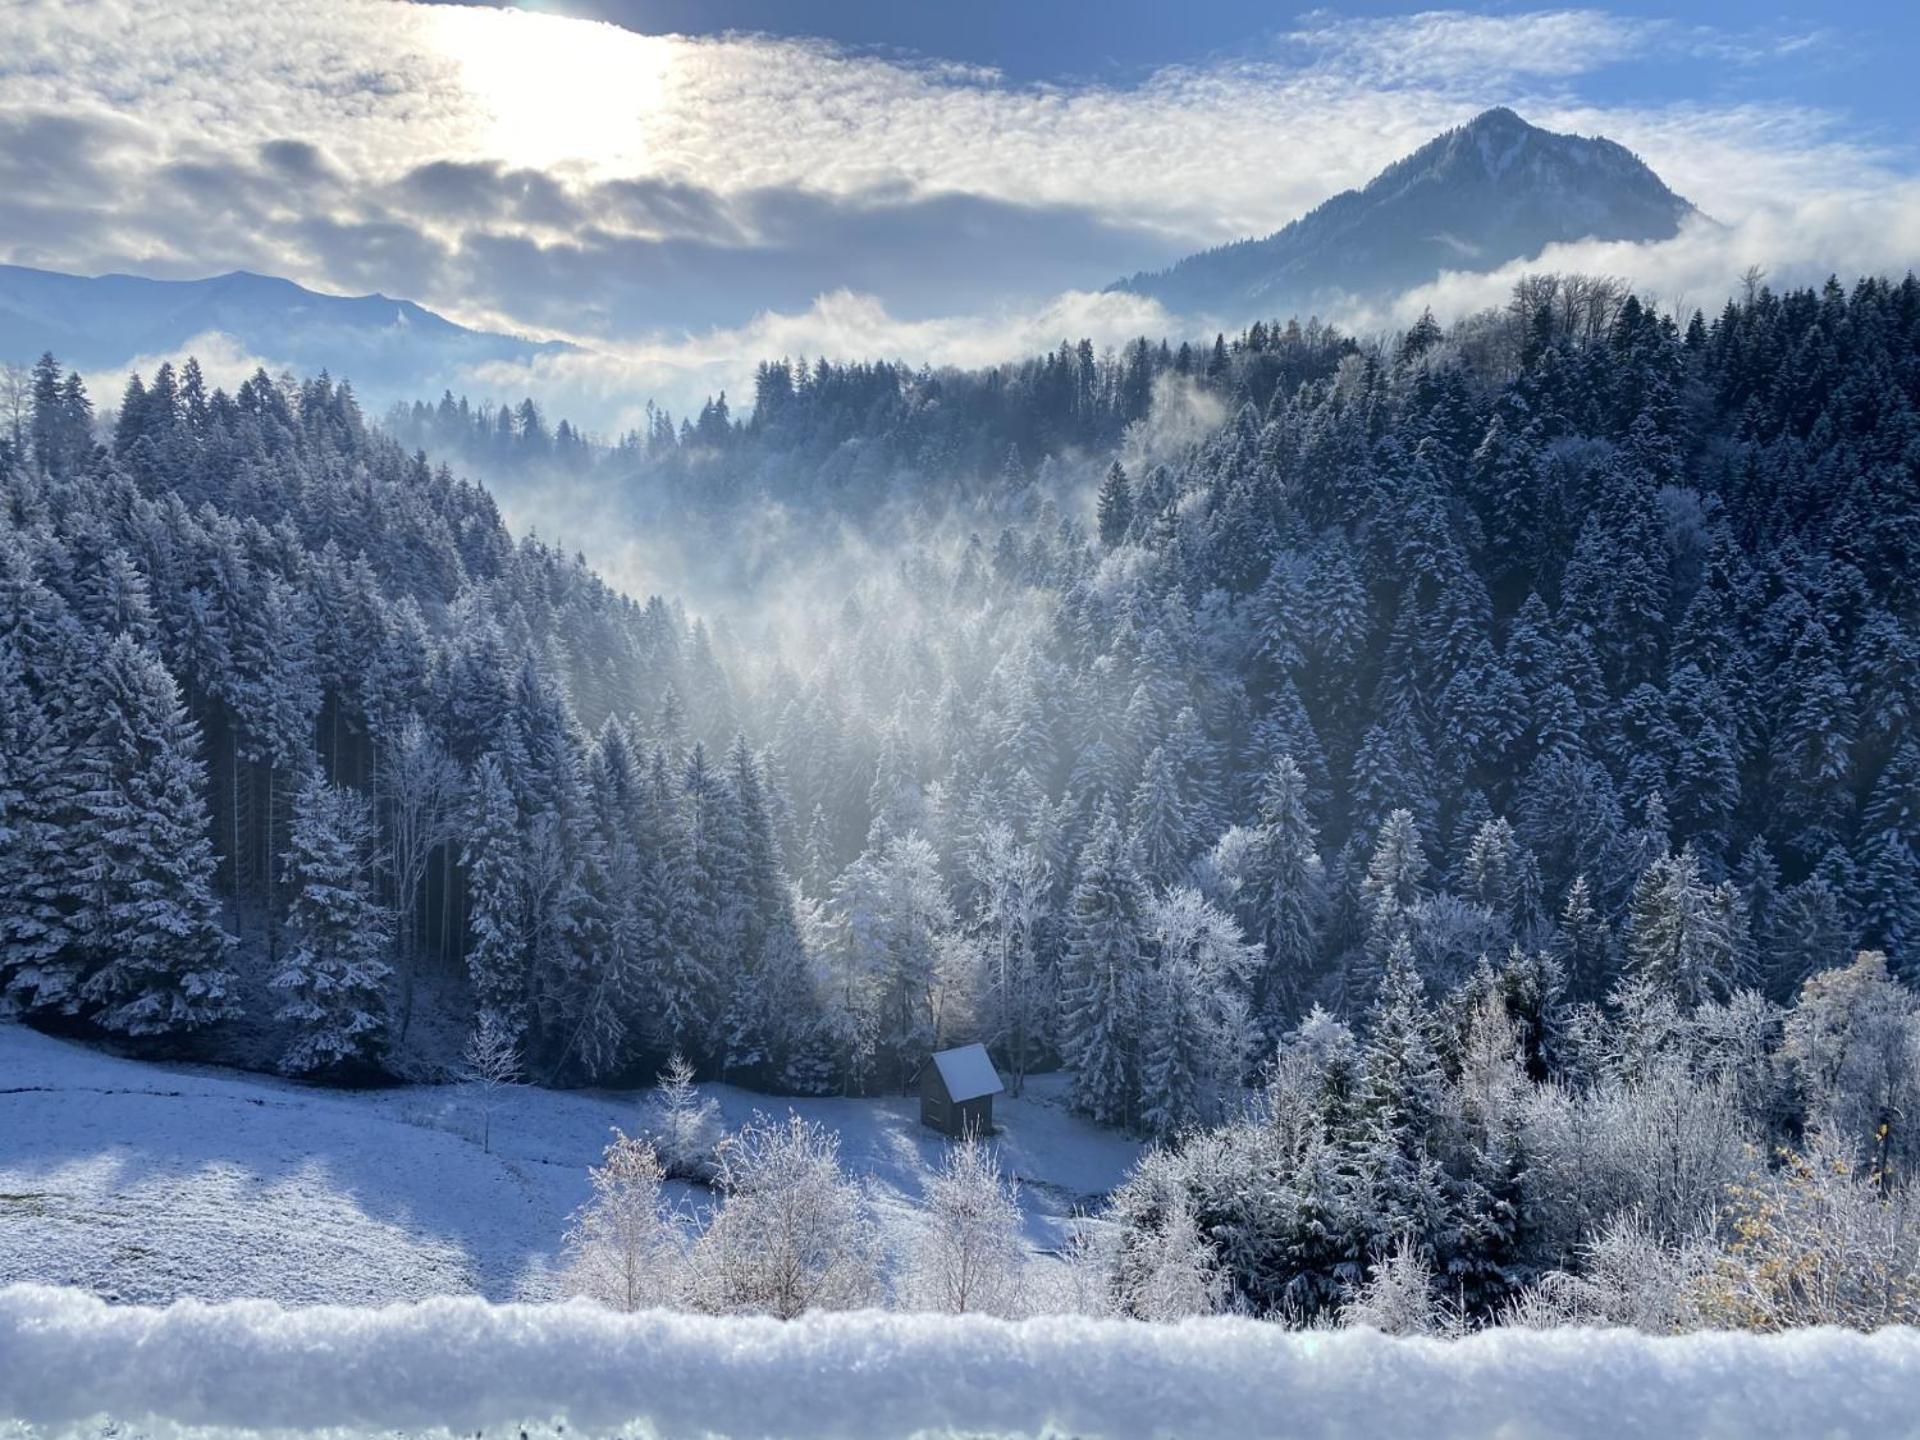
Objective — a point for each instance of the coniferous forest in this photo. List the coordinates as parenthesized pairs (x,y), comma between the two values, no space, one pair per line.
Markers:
(1450,791)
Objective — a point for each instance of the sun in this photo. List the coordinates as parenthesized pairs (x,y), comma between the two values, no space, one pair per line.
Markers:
(550,91)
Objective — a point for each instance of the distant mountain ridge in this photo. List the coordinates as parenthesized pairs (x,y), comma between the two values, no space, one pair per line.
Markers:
(386,347)
(1474,198)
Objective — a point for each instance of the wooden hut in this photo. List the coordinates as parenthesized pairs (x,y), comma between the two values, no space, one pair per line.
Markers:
(956,1091)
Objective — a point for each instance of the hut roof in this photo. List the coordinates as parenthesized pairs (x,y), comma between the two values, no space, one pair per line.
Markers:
(967,1073)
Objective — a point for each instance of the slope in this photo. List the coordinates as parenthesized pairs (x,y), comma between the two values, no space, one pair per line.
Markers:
(149,1183)
(387,347)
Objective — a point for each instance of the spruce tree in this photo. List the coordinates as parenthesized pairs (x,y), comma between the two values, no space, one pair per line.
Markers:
(1684,935)
(492,852)
(141,849)
(1100,1013)
(334,974)
(1114,506)
(1289,900)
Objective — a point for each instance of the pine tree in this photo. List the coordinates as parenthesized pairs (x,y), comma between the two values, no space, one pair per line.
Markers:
(1100,1015)
(40,963)
(497,955)
(1160,837)
(334,974)
(1684,934)
(1288,889)
(1583,945)
(147,924)
(1114,506)
(1400,1102)
(1394,885)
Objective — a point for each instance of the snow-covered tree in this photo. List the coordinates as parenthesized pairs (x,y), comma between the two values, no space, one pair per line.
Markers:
(334,974)
(1013,881)
(420,793)
(1685,934)
(1195,1035)
(682,1124)
(489,1065)
(142,858)
(496,887)
(1103,980)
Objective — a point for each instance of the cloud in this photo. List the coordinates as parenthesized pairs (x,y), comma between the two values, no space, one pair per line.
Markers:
(1844,233)
(842,325)
(224,363)
(1454,48)
(667,198)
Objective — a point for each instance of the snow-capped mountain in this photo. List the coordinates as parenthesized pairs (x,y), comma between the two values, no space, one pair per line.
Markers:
(1495,190)
(387,348)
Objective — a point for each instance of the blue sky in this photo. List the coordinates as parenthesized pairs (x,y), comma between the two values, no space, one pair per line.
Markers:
(1862,62)
(1863,66)
(685,186)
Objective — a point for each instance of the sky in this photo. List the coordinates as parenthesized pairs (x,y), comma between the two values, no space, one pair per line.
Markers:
(685,186)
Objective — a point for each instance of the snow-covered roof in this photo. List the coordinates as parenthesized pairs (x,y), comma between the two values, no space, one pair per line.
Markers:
(967,1073)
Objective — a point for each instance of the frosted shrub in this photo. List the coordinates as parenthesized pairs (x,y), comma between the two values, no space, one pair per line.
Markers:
(622,1249)
(1398,1297)
(1819,1242)
(1628,1276)
(793,1233)
(1168,1271)
(969,1256)
(1853,1045)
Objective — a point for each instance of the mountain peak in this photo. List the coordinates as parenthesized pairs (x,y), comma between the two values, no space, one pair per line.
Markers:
(1493,190)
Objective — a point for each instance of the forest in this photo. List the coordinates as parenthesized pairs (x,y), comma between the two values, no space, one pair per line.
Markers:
(1457,793)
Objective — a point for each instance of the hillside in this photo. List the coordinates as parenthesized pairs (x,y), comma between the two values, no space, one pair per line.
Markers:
(1492,191)
(1511,722)
(148,1183)
(386,347)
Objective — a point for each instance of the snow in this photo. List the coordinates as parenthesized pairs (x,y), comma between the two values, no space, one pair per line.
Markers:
(146,1183)
(967,1073)
(67,1361)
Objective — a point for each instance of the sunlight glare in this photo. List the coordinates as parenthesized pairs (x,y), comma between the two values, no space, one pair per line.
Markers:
(552,91)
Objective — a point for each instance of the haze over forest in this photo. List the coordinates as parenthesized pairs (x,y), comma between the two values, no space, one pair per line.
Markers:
(1327,618)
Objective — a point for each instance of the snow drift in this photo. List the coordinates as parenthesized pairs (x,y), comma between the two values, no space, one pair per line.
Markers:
(67,1359)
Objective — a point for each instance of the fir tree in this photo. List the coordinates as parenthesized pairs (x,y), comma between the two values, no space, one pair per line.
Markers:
(334,974)
(1102,982)
(497,954)
(148,923)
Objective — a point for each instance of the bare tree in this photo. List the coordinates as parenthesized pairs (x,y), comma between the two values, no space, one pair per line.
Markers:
(489,1064)
(421,785)
(16,401)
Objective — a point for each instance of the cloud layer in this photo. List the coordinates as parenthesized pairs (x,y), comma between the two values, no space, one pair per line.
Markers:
(674,201)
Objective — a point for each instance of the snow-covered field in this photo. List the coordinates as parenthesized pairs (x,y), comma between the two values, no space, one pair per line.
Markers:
(463,1366)
(146,1183)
